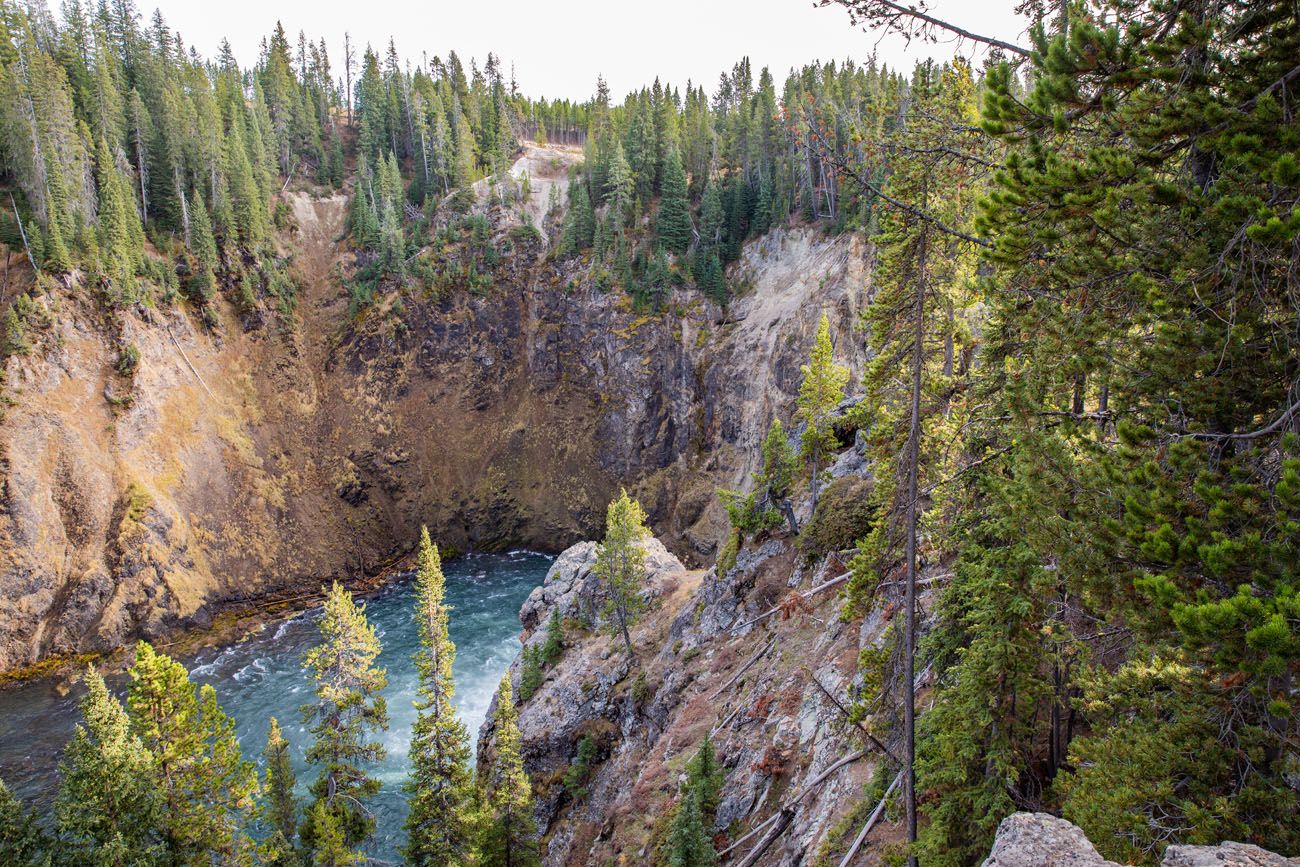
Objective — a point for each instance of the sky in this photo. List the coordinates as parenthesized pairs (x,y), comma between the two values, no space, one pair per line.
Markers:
(559,46)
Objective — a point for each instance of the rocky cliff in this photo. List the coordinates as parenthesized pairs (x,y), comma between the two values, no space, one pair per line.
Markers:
(274,450)
(754,658)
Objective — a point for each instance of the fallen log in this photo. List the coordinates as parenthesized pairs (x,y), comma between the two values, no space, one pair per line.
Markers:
(871,822)
(807,594)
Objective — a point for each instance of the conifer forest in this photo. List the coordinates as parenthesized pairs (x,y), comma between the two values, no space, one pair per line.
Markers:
(849,464)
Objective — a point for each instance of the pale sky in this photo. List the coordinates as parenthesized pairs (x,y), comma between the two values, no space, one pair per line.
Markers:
(558,47)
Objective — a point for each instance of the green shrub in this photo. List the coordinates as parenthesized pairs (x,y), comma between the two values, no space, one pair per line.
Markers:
(128,360)
(844,515)
(728,552)
(578,774)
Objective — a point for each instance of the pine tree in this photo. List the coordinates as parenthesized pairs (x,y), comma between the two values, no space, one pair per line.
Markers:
(553,646)
(202,243)
(709,278)
(120,240)
(248,208)
(674,220)
(509,837)
(779,463)
(281,803)
(23,843)
(331,847)
(704,778)
(441,825)
(108,809)
(689,843)
(712,217)
(530,672)
(620,566)
(206,787)
(392,242)
(57,260)
(349,709)
(620,187)
(820,392)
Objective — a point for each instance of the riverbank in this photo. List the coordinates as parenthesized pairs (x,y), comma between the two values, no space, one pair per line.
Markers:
(234,620)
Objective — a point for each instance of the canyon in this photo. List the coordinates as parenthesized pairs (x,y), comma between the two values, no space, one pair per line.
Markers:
(256,459)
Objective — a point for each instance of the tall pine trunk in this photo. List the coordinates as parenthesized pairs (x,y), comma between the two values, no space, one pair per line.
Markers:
(909,639)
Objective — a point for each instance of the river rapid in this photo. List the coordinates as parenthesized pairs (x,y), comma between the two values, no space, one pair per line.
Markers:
(263,677)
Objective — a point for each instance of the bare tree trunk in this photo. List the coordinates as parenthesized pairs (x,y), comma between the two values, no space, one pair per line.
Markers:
(816,473)
(23,233)
(185,206)
(144,174)
(627,639)
(913,458)
(783,504)
(347,67)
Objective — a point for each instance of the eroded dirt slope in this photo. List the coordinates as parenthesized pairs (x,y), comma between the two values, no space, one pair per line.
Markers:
(272,453)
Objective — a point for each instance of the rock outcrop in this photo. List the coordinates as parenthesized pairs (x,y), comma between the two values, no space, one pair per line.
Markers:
(275,452)
(1038,839)
(741,658)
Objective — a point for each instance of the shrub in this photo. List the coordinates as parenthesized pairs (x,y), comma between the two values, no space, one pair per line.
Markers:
(844,515)
(578,774)
(128,360)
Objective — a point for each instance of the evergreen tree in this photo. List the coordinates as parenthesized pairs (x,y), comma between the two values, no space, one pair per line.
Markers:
(620,188)
(704,778)
(712,218)
(57,260)
(620,566)
(281,803)
(206,788)
(820,392)
(553,646)
(530,672)
(689,843)
(23,843)
(441,825)
(202,243)
(108,810)
(509,837)
(349,709)
(331,847)
(121,239)
(709,278)
(779,463)
(674,220)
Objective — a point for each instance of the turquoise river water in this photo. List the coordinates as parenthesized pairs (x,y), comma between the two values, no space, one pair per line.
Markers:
(262,677)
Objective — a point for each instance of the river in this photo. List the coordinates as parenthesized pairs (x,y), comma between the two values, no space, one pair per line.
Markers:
(262,676)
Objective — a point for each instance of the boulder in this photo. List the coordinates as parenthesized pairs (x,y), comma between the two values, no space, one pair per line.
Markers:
(1043,840)
(1225,854)
(1039,840)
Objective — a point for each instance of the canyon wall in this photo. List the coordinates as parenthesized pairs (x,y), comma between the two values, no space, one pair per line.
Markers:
(275,451)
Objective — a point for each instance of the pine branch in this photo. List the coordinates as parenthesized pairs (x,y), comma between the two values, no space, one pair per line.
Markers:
(893,16)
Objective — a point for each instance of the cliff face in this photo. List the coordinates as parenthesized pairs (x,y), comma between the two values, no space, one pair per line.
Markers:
(750,658)
(275,452)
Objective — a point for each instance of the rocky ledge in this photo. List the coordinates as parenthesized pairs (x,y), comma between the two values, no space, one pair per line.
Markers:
(1037,839)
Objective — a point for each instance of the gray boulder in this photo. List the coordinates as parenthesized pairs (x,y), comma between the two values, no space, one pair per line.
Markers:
(1043,840)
